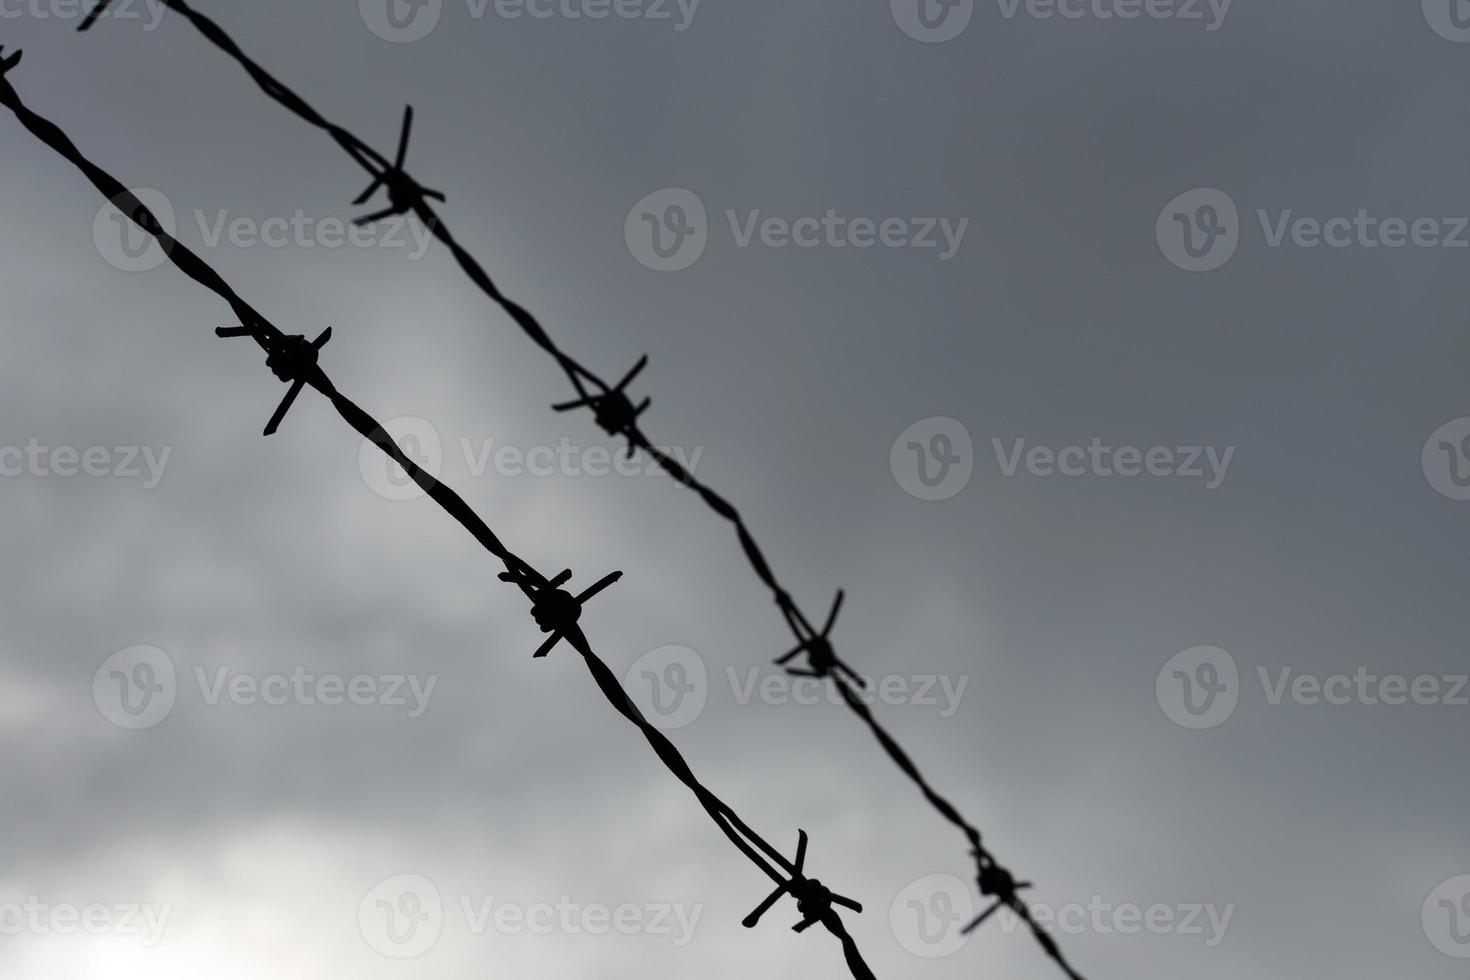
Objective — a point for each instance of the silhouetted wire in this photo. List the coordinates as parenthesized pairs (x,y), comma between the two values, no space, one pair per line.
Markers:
(293,359)
(612,410)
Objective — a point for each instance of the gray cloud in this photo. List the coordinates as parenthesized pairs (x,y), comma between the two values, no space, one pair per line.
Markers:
(793,369)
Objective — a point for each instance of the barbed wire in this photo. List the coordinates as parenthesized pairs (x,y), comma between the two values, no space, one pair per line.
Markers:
(614,412)
(295,360)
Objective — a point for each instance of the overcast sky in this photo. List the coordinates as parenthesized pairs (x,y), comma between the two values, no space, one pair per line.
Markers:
(1184,518)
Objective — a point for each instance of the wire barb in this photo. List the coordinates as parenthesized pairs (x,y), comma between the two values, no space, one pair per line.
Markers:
(404,193)
(291,358)
(613,410)
(995,882)
(821,659)
(555,610)
(814,900)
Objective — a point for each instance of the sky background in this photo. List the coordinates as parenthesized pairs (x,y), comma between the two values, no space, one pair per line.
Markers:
(1331,833)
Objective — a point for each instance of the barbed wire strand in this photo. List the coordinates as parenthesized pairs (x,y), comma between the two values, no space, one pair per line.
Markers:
(554,610)
(616,415)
